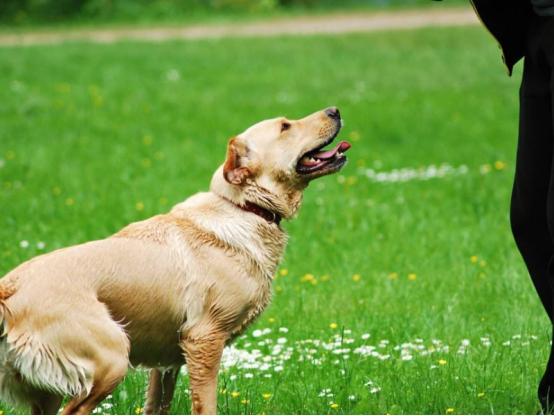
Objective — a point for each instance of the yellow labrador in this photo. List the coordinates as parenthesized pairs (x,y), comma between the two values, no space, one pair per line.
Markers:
(174,288)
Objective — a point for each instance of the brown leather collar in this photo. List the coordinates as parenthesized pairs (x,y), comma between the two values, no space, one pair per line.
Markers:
(266,214)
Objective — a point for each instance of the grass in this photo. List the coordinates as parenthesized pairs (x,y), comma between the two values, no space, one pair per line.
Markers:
(96,136)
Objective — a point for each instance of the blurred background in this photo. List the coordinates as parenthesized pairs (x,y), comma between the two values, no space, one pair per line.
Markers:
(25,12)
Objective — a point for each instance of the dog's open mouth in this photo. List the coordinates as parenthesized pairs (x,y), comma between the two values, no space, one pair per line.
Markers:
(318,162)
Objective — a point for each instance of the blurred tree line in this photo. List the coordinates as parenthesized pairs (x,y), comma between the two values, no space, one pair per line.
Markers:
(43,11)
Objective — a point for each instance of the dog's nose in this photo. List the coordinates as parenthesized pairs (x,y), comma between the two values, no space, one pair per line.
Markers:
(333,112)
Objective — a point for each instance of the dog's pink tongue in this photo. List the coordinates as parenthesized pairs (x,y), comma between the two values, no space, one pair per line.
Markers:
(341,147)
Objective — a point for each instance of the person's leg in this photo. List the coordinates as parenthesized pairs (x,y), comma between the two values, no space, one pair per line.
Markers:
(546,387)
(532,178)
(534,186)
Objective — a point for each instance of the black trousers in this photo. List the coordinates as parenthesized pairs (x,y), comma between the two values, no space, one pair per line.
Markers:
(532,208)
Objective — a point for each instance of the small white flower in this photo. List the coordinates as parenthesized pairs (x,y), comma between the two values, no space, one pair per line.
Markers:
(281,340)
(375,390)
(351,397)
(257,333)
(23,244)
(41,245)
(173,75)
(233,377)
(365,336)
(249,375)
(278,368)
(283,330)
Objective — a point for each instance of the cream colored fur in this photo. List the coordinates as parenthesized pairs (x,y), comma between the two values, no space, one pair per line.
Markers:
(175,287)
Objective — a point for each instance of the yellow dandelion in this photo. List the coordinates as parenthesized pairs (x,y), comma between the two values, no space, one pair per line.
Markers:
(313,282)
(442,361)
(483,263)
(351,180)
(147,140)
(474,259)
(235,394)
(139,206)
(356,277)
(138,410)
(283,272)
(333,325)
(334,405)
(63,88)
(354,136)
(223,391)
(308,277)
(499,165)
(484,169)
(393,276)
(266,396)
(278,289)
(450,410)
(271,320)
(412,276)
(481,395)
(69,202)
(245,401)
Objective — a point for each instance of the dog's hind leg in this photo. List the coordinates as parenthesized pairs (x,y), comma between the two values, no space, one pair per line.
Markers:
(105,381)
(161,387)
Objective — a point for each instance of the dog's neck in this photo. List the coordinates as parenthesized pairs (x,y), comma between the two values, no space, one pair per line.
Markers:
(266,214)
(253,198)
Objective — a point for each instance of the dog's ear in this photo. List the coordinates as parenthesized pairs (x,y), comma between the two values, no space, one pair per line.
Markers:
(233,172)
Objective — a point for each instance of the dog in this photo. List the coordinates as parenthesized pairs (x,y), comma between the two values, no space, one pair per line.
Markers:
(169,290)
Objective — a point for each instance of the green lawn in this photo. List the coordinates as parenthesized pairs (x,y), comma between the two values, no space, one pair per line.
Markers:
(93,137)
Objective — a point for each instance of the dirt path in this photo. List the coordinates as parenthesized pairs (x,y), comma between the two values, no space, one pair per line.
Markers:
(328,24)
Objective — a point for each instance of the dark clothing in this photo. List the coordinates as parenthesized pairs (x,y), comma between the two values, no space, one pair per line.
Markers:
(543,7)
(532,208)
(507,21)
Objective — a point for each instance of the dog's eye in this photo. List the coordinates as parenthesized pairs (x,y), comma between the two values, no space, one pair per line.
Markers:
(285,126)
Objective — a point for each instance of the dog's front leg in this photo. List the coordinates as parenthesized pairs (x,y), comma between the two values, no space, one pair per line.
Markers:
(203,355)
(154,393)
(161,387)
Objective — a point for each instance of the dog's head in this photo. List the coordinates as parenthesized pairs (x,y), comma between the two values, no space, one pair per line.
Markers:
(272,162)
